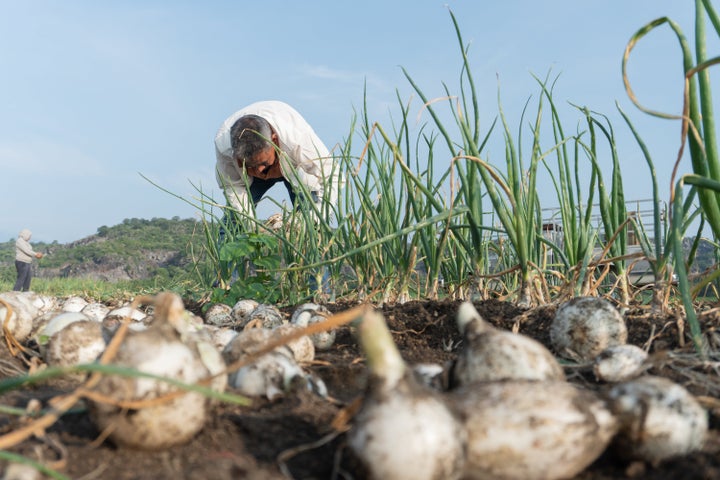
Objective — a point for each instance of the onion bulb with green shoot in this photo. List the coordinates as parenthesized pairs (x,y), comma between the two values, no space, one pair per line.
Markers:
(531,430)
(488,353)
(158,350)
(403,430)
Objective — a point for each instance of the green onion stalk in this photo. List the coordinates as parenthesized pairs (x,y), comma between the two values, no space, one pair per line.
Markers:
(578,232)
(698,130)
(613,212)
(517,207)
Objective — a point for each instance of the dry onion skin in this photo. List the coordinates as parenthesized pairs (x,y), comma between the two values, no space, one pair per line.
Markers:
(531,430)
(403,430)
(488,353)
(659,419)
(585,326)
(157,350)
(23,311)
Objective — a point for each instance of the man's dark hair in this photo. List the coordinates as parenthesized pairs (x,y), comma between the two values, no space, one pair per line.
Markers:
(249,135)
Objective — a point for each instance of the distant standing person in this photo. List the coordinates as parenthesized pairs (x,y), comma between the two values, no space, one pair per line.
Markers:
(24,254)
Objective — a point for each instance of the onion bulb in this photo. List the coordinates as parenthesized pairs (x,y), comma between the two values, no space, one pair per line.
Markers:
(659,419)
(309,313)
(488,353)
(527,430)
(158,350)
(270,375)
(77,343)
(619,363)
(585,326)
(403,430)
(23,309)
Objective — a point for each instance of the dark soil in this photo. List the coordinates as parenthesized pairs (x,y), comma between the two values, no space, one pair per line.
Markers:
(293,437)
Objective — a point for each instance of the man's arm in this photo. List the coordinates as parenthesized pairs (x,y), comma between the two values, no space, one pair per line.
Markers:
(234,187)
(25,247)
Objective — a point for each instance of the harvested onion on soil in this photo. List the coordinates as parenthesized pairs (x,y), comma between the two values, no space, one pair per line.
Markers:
(309,313)
(265,316)
(221,336)
(78,343)
(270,375)
(526,430)
(659,419)
(585,326)
(96,311)
(403,430)
(121,313)
(488,353)
(158,350)
(241,311)
(54,322)
(73,304)
(219,315)
(23,310)
(619,363)
(302,348)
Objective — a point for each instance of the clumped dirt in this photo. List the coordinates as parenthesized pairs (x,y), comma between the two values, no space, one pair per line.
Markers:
(293,437)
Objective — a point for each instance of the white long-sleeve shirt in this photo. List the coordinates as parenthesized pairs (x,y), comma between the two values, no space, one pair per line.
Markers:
(303,156)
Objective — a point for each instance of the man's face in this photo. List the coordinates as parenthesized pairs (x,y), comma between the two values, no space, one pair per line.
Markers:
(261,162)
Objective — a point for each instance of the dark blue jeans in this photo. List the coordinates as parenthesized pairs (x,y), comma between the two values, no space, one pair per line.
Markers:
(258,189)
(24,275)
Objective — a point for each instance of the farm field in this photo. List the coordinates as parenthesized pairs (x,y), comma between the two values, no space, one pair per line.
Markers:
(293,437)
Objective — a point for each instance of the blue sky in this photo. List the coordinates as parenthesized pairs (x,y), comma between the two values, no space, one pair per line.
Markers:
(94,94)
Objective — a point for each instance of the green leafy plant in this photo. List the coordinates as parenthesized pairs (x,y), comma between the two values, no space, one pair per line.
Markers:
(249,266)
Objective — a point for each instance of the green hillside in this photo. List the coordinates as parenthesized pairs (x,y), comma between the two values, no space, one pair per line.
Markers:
(134,249)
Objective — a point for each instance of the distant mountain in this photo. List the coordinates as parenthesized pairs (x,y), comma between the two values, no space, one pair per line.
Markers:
(133,250)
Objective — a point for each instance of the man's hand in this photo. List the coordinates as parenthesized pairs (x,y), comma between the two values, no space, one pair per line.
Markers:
(38,255)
